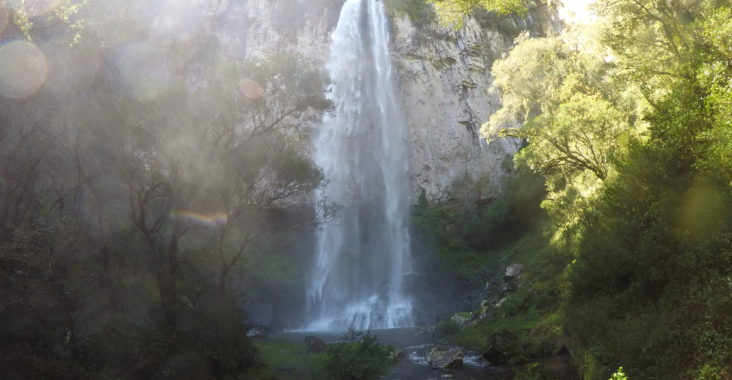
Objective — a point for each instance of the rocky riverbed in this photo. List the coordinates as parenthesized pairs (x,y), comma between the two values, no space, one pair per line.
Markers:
(416,344)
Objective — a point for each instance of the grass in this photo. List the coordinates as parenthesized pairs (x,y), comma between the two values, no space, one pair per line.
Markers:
(283,361)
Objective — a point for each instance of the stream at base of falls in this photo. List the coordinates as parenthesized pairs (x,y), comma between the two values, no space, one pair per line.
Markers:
(415,343)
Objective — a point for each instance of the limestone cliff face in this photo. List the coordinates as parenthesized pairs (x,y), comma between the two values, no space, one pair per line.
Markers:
(445,80)
(443,77)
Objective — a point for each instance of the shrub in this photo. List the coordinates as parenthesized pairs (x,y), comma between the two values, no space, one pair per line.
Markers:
(358,357)
(418,11)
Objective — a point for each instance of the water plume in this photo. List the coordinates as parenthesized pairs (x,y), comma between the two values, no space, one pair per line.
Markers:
(363,255)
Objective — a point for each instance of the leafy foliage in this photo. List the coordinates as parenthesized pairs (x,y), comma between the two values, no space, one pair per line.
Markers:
(128,195)
(452,12)
(630,126)
(619,375)
(420,12)
(358,357)
(465,227)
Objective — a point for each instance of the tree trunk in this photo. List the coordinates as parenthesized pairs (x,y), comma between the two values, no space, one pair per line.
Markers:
(169,290)
(223,278)
(113,296)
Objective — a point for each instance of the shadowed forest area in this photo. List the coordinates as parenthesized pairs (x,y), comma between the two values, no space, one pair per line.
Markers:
(139,173)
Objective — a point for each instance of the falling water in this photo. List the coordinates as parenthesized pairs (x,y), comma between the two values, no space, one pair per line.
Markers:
(364,253)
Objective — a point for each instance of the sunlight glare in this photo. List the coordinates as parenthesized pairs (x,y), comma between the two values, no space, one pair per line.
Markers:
(23,69)
(177,20)
(577,12)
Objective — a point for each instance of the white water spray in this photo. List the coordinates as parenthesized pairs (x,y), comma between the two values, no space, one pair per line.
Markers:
(363,255)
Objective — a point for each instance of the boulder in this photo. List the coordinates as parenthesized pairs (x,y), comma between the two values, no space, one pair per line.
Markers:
(314,345)
(484,312)
(257,332)
(513,271)
(501,302)
(462,319)
(395,353)
(445,359)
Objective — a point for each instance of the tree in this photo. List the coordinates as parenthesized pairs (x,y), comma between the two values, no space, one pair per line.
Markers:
(452,12)
(561,96)
(558,98)
(148,151)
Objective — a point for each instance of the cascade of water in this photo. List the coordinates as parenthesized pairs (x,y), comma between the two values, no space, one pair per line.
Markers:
(362,256)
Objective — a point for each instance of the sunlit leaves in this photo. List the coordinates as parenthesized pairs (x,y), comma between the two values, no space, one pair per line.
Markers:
(561,100)
(452,13)
(26,13)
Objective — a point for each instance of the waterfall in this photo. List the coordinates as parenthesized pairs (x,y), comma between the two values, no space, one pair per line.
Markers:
(362,255)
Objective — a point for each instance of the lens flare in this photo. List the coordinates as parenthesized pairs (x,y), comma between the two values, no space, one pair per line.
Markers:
(23,69)
(33,8)
(250,88)
(205,220)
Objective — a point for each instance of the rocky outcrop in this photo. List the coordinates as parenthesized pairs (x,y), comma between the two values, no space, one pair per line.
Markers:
(445,359)
(445,80)
(463,319)
(257,332)
(314,345)
(443,77)
(395,353)
(513,271)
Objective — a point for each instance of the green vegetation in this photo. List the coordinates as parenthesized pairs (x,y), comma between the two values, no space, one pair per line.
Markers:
(473,236)
(532,371)
(283,360)
(136,184)
(452,12)
(420,12)
(144,160)
(358,357)
(619,375)
(466,228)
(628,120)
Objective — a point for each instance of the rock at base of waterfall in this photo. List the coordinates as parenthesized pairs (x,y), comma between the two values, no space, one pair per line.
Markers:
(445,359)
(257,332)
(395,353)
(314,345)
(463,319)
(513,271)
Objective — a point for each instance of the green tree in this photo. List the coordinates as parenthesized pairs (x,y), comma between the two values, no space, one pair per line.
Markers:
(560,95)
(452,12)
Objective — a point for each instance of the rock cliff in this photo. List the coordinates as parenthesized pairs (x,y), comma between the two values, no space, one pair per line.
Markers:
(443,77)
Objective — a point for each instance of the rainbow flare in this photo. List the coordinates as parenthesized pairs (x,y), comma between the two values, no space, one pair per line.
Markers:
(208,220)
